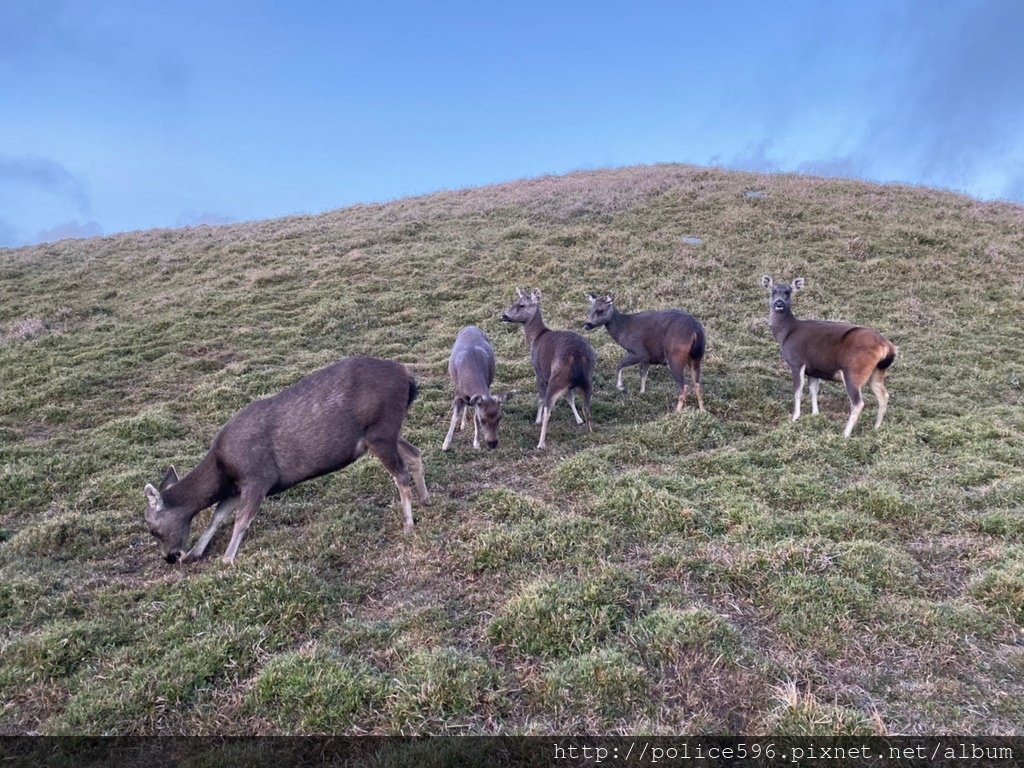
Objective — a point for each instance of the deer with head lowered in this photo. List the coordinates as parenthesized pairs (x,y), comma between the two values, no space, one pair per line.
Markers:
(471,368)
(668,337)
(321,423)
(562,360)
(822,349)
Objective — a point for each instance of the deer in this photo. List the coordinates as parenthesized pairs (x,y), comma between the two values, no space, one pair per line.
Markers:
(319,424)
(562,360)
(471,368)
(667,337)
(820,349)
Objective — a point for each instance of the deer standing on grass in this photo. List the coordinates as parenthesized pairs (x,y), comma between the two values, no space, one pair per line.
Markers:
(821,349)
(668,337)
(471,367)
(317,425)
(562,360)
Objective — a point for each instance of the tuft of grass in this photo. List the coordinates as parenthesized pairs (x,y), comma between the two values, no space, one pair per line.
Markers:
(65,536)
(601,686)
(316,692)
(568,541)
(442,689)
(552,618)
(667,633)
(801,714)
(1001,587)
(504,505)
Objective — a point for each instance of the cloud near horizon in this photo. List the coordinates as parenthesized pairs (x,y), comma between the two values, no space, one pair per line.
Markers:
(46,175)
(69,230)
(26,180)
(207,218)
(938,114)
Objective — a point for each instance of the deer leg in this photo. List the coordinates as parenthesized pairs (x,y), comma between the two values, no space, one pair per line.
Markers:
(697,389)
(414,460)
(587,392)
(856,402)
(389,454)
(542,388)
(542,443)
(877,382)
(679,376)
(223,511)
(644,370)
(250,500)
(798,390)
(462,411)
(626,361)
(572,407)
(458,408)
(476,429)
(546,414)
(812,385)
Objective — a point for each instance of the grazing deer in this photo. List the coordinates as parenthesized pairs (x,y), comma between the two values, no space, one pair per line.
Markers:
(317,425)
(471,367)
(562,360)
(821,349)
(666,337)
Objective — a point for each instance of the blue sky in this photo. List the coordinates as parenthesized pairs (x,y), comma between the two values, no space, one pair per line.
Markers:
(118,115)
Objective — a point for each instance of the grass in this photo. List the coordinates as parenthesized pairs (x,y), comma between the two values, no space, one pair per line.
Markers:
(720,572)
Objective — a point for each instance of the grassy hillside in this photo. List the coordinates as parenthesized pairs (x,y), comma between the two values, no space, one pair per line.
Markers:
(727,571)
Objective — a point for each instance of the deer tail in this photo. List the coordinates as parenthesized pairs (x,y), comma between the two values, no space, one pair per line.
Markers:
(889,359)
(697,346)
(414,390)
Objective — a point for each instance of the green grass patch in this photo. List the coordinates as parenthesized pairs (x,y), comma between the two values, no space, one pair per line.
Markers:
(601,685)
(1001,587)
(667,633)
(316,693)
(551,618)
(443,689)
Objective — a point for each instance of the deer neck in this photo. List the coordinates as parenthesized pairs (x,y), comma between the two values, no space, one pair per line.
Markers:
(197,490)
(534,327)
(616,324)
(782,323)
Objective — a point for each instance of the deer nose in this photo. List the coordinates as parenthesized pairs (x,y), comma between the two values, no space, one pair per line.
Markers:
(589,326)
(779,305)
(173,557)
(492,445)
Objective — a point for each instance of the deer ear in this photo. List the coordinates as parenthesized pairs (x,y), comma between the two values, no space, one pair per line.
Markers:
(610,298)
(798,284)
(591,298)
(536,294)
(475,400)
(519,292)
(170,478)
(154,501)
(766,281)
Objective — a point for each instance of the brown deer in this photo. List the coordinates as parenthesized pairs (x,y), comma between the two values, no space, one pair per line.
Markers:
(562,360)
(321,423)
(821,349)
(471,367)
(665,337)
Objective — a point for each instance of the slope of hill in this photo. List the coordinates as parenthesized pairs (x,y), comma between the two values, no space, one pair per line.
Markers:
(727,571)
